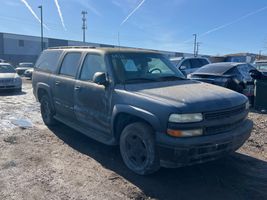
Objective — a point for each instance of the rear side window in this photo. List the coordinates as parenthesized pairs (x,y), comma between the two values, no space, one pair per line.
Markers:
(48,61)
(197,63)
(70,64)
(93,63)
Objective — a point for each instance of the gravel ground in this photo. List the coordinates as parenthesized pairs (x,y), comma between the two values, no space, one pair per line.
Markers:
(60,163)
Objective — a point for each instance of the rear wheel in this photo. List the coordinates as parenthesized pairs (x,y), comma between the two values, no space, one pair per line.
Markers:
(137,147)
(47,111)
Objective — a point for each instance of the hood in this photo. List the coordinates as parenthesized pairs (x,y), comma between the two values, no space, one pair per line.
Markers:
(9,75)
(189,96)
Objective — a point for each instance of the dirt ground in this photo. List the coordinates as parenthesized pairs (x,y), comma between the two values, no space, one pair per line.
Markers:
(60,163)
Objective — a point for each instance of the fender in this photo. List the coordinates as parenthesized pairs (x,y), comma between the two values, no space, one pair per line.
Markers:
(138,112)
(47,88)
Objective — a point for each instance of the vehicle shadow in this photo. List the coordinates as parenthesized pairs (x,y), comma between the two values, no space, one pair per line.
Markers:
(235,177)
(12,93)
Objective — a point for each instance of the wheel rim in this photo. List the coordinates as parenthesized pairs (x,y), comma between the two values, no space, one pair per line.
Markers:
(136,150)
(45,110)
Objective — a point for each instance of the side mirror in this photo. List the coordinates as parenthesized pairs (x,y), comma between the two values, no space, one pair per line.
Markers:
(100,78)
(182,68)
(255,74)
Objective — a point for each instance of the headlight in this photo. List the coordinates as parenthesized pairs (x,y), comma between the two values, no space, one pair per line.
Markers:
(186,118)
(185,133)
(247,105)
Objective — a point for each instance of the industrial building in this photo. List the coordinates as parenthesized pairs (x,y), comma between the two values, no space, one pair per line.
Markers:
(15,48)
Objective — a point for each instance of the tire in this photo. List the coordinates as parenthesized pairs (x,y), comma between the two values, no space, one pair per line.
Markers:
(47,112)
(138,150)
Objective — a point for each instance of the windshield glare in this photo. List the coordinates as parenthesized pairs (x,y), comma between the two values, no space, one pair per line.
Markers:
(142,67)
(6,69)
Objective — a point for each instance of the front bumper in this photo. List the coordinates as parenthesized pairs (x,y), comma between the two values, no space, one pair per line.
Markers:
(177,152)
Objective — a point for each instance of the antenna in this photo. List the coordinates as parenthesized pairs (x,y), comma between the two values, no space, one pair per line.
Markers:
(84,26)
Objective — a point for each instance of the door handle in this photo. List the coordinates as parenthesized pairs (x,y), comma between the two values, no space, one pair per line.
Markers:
(57,82)
(77,88)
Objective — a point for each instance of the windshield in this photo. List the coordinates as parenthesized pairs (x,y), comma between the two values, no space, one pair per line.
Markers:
(6,69)
(142,67)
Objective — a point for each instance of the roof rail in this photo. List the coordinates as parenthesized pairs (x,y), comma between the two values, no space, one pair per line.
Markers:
(73,47)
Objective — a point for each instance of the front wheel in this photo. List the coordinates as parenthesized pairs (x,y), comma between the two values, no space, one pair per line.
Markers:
(47,111)
(137,147)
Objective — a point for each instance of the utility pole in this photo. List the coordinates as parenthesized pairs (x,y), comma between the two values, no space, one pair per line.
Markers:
(195,44)
(259,57)
(42,31)
(84,27)
(197,51)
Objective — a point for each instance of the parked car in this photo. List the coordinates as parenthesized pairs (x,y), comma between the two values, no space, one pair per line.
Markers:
(261,65)
(190,64)
(2,61)
(9,79)
(235,76)
(22,67)
(28,73)
(138,100)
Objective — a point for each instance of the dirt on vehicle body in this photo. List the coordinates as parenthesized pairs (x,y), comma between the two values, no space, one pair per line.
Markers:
(60,163)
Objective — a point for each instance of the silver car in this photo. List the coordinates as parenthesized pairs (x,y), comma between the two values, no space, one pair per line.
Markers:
(9,79)
(189,64)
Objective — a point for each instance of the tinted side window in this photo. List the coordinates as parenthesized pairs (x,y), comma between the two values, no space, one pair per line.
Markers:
(203,62)
(187,64)
(196,63)
(244,70)
(70,64)
(93,63)
(48,61)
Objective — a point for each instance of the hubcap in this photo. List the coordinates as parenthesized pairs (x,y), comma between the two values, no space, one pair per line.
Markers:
(136,150)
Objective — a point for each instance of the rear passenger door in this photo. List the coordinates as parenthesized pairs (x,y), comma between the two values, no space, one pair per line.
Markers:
(92,100)
(64,85)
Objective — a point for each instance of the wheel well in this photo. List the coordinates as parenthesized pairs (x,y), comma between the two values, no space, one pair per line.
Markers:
(41,92)
(124,119)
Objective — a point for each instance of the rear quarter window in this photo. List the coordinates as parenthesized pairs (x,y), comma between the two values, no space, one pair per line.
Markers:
(48,61)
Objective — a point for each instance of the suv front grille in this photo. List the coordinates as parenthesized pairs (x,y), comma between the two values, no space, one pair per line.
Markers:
(224,113)
(6,81)
(222,128)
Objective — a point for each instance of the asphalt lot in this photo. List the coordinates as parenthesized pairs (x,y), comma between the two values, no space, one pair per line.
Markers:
(60,163)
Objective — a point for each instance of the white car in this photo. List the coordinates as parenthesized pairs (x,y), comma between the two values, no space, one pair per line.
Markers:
(23,67)
(9,79)
(190,64)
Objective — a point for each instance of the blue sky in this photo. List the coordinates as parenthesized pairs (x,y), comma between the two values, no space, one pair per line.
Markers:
(227,26)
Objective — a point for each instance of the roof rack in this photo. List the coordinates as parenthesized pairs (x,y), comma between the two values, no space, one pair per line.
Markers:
(73,47)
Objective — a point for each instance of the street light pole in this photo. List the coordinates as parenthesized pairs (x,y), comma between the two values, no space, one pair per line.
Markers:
(84,26)
(195,44)
(42,31)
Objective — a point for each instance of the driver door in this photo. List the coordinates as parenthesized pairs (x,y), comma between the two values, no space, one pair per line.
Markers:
(91,101)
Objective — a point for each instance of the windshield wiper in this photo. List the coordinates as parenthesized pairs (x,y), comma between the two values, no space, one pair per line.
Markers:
(171,77)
